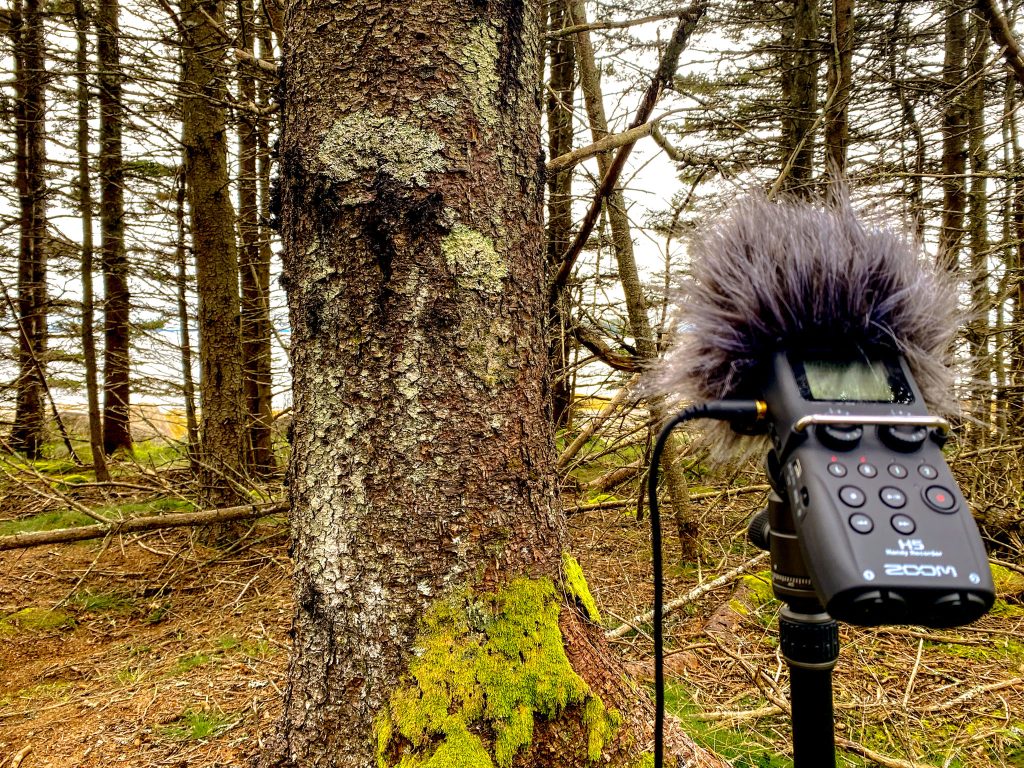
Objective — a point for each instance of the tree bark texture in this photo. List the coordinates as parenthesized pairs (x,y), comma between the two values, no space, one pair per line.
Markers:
(116,302)
(26,29)
(212,218)
(422,465)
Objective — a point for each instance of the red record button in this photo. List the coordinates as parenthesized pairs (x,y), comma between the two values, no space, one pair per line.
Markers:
(940,499)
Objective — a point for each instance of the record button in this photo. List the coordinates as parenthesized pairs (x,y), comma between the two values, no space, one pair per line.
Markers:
(940,499)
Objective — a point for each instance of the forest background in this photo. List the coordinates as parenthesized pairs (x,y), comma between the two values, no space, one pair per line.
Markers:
(145,371)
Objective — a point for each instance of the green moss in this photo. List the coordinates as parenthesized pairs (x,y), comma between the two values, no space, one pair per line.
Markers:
(1007,582)
(471,256)
(35,620)
(574,584)
(760,588)
(47,521)
(646,760)
(601,725)
(494,660)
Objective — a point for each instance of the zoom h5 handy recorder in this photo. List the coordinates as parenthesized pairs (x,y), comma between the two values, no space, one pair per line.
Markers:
(885,533)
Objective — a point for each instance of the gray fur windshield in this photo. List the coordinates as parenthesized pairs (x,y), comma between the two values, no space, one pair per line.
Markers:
(773,276)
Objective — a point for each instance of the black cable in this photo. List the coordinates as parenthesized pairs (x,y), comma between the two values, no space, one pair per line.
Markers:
(738,412)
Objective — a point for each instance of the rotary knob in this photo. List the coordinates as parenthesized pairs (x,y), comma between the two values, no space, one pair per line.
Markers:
(901,438)
(839,437)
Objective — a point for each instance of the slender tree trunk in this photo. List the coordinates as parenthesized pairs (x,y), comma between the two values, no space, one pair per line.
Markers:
(687,527)
(116,302)
(254,275)
(212,218)
(801,53)
(85,204)
(954,137)
(184,320)
(977,234)
(1015,392)
(561,95)
(427,534)
(28,431)
(840,86)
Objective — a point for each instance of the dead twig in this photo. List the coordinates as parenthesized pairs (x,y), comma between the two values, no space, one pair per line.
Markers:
(134,524)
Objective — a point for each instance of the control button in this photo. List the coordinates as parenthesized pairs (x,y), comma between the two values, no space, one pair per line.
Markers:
(927,471)
(805,497)
(841,437)
(867,470)
(903,524)
(851,496)
(940,499)
(861,523)
(902,439)
(837,469)
(898,471)
(893,497)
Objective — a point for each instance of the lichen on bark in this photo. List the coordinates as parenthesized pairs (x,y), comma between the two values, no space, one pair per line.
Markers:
(473,259)
(478,59)
(362,143)
(483,664)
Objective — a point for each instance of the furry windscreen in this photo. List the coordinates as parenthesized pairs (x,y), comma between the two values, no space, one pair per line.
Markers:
(773,276)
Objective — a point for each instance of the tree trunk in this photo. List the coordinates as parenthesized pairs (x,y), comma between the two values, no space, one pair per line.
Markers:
(840,85)
(561,95)
(800,98)
(687,527)
(181,294)
(212,218)
(954,138)
(254,274)
(116,302)
(977,235)
(426,528)
(26,29)
(85,204)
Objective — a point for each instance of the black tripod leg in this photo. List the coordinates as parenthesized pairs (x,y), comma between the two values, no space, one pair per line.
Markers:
(810,645)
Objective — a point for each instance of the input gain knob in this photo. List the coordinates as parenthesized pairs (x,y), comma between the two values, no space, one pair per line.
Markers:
(839,437)
(901,438)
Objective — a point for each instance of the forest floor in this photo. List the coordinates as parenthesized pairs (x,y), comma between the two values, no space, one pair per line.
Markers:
(155,650)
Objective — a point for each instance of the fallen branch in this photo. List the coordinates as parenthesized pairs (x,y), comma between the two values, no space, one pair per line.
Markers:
(689,597)
(976,691)
(877,757)
(135,524)
(601,506)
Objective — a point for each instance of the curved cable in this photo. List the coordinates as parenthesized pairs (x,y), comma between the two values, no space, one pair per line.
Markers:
(738,412)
